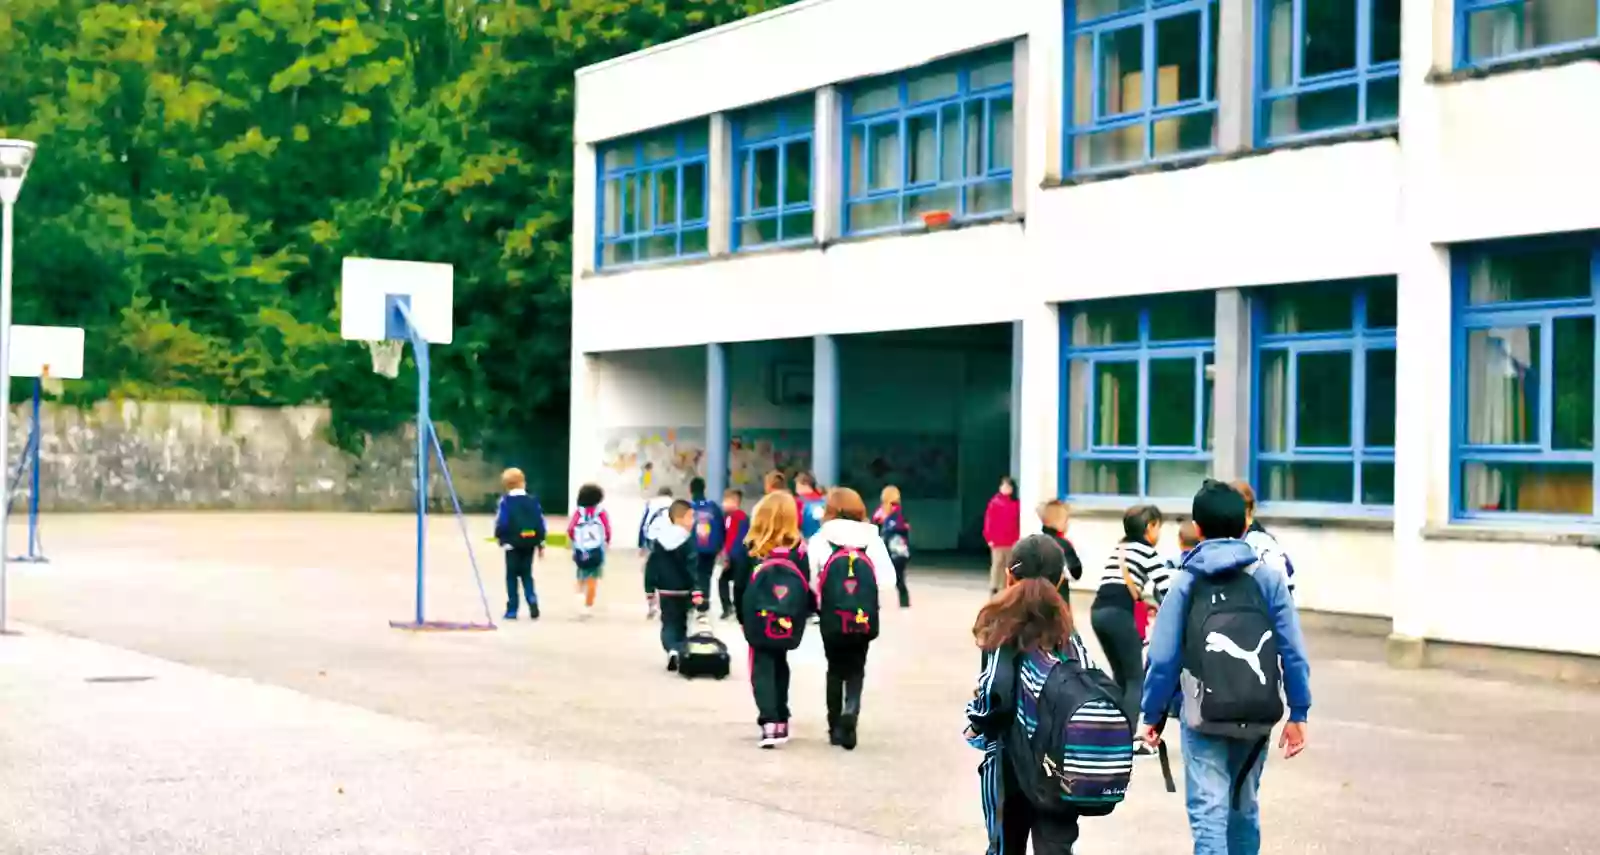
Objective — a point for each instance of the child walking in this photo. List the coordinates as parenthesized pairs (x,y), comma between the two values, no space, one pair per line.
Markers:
(737,525)
(896,532)
(1026,629)
(1053,518)
(709,538)
(846,550)
(654,516)
(772,591)
(589,533)
(1002,526)
(1133,573)
(519,528)
(669,574)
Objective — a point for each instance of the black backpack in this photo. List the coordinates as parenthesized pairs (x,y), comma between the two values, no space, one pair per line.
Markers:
(526,525)
(1231,674)
(849,595)
(776,604)
(1069,743)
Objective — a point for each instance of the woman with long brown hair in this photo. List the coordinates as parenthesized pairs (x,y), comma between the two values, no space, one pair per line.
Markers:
(1024,630)
(774,549)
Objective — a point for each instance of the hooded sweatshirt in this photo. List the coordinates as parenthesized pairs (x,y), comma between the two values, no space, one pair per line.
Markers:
(851,534)
(667,571)
(1212,558)
(655,515)
(1002,521)
(1270,551)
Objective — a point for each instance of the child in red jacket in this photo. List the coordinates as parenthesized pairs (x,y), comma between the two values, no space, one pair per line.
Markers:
(1002,528)
(736,525)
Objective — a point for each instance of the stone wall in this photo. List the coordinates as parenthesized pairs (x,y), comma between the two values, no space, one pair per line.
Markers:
(167,456)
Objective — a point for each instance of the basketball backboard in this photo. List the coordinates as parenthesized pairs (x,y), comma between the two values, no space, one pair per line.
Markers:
(370,287)
(56,352)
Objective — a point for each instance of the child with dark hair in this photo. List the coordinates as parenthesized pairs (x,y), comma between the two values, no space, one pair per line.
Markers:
(809,504)
(520,530)
(710,536)
(1267,547)
(589,534)
(736,524)
(669,574)
(1133,573)
(1026,629)
(654,516)
(1002,527)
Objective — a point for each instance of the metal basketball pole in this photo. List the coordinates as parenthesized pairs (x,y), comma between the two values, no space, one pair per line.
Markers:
(35,554)
(424,425)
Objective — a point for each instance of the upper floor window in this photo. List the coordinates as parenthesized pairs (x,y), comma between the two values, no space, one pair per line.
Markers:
(937,139)
(653,190)
(1143,80)
(1328,67)
(772,171)
(1137,408)
(1490,31)
(1525,379)
(1324,392)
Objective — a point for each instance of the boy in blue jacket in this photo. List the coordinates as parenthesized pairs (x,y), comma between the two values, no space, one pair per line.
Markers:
(1223,773)
(519,528)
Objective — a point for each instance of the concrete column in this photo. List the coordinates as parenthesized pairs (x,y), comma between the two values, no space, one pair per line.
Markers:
(720,205)
(1020,112)
(825,410)
(1039,405)
(1016,398)
(1045,58)
(583,446)
(584,178)
(1236,55)
(1230,398)
(827,167)
(1423,335)
(718,404)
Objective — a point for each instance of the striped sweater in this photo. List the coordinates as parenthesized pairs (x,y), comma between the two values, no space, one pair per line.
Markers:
(1149,574)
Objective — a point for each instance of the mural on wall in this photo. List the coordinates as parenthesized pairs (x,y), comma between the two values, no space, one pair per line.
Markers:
(640,461)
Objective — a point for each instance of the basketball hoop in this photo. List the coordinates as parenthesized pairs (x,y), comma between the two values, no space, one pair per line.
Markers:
(386,356)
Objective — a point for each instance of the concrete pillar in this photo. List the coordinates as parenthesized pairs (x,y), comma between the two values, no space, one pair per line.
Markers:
(720,205)
(1231,393)
(584,189)
(1016,398)
(1236,91)
(718,405)
(1020,104)
(1423,336)
(583,446)
(1046,60)
(825,410)
(827,168)
(1039,405)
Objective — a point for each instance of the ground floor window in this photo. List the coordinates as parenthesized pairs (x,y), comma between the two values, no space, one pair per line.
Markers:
(1137,400)
(1324,392)
(1525,363)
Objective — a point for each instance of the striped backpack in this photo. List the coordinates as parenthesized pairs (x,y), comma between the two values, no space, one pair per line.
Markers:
(1070,744)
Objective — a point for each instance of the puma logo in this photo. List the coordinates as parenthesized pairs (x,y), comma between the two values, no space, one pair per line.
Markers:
(1216,642)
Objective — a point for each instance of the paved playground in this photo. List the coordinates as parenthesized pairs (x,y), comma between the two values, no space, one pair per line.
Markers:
(228,683)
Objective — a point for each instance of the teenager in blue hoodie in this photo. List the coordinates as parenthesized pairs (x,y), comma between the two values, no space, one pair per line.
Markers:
(1223,774)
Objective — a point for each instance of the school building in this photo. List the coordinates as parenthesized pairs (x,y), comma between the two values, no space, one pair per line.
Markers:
(1348,251)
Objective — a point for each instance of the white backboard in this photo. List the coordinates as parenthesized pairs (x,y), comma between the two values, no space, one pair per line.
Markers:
(367,283)
(38,350)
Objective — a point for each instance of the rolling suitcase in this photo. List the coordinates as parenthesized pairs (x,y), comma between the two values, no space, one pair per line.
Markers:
(704,655)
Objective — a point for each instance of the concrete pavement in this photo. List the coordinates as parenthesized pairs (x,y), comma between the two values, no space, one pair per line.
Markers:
(566,735)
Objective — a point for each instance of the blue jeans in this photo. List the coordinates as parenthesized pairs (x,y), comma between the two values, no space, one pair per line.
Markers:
(1211,765)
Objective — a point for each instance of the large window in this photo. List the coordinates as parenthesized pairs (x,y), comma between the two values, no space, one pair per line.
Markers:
(935,140)
(1328,66)
(772,174)
(653,190)
(1489,31)
(1525,379)
(1324,392)
(1143,81)
(1137,414)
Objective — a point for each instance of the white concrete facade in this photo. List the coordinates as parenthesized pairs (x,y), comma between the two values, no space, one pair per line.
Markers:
(1503,154)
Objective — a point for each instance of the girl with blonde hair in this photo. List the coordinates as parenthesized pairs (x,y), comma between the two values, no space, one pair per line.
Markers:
(772,596)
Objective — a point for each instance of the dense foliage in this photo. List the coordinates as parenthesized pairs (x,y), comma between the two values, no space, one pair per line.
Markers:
(204,165)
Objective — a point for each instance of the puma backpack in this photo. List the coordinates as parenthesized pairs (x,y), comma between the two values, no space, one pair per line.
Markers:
(1231,678)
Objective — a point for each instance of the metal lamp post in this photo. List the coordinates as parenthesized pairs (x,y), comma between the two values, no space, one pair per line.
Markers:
(15,158)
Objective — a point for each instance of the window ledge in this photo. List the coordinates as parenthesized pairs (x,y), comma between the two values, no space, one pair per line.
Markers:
(1330,519)
(1482,533)
(1113,507)
(1013,218)
(1052,182)
(1177,510)
(1586,53)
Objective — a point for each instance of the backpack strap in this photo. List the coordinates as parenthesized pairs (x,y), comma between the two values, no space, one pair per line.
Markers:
(1127,578)
(1257,751)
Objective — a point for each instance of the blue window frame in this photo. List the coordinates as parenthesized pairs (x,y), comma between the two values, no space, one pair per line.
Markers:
(1327,67)
(652,197)
(1524,414)
(772,165)
(934,139)
(1493,31)
(1324,393)
(1142,81)
(1137,381)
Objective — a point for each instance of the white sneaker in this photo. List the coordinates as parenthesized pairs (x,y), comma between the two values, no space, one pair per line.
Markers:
(769,736)
(1140,749)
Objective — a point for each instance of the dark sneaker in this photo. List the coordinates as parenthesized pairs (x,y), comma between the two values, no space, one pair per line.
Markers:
(1140,749)
(727,612)
(672,661)
(533,611)
(847,732)
(769,736)
(783,732)
(509,616)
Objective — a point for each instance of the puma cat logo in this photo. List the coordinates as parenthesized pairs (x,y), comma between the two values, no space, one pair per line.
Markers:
(1216,642)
